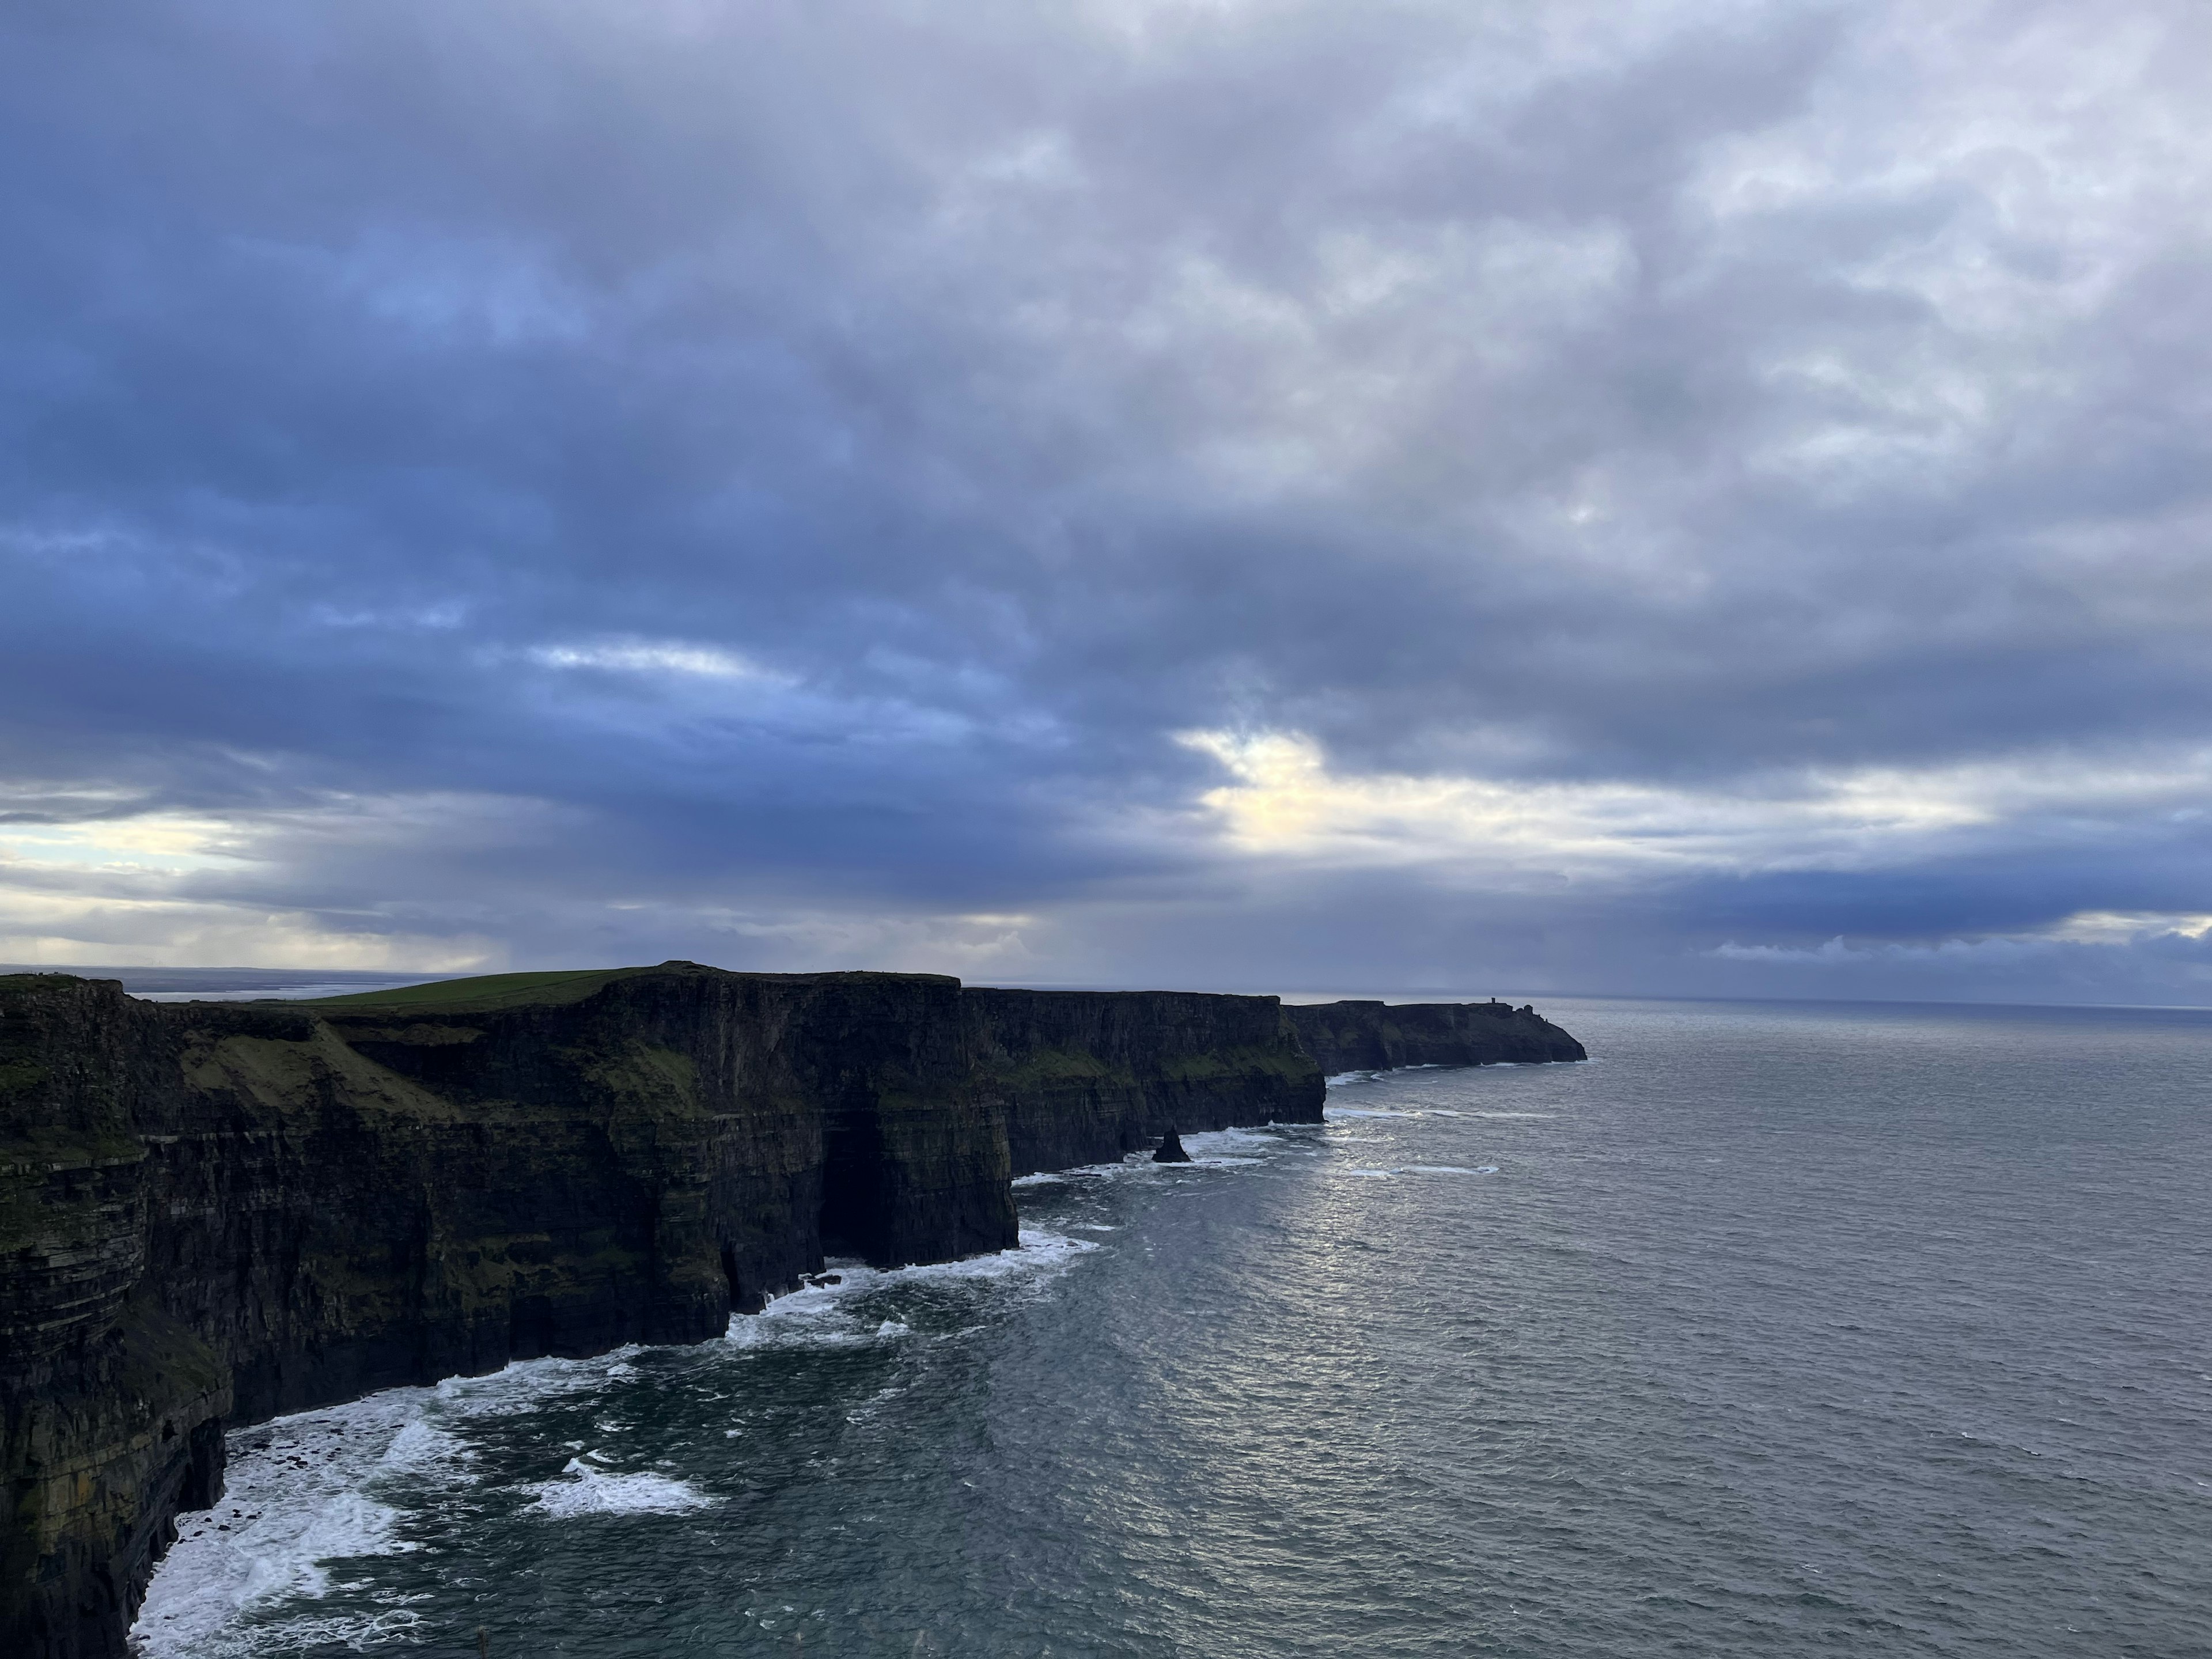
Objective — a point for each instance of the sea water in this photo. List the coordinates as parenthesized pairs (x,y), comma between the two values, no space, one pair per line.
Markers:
(1772,1330)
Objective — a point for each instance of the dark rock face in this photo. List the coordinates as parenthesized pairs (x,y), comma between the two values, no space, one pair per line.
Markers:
(1373,1037)
(213,1213)
(111,1410)
(1085,1077)
(1170,1150)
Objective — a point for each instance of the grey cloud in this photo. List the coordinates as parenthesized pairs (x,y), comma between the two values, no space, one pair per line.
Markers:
(1667,393)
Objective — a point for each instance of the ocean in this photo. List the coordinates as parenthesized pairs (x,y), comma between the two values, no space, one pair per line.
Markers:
(1774,1329)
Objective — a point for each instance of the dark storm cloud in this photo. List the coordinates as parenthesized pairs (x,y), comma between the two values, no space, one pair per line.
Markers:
(775,481)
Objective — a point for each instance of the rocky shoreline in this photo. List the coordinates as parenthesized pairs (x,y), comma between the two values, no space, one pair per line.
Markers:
(212,1213)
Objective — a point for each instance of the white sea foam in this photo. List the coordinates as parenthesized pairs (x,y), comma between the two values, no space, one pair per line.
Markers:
(586,1488)
(302,1493)
(817,1316)
(294,1504)
(523,1385)
(1228,1148)
(306,1632)
(823,1325)
(1334,1114)
(422,1447)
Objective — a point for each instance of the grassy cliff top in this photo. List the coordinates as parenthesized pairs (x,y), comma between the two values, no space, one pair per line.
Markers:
(481,991)
(486,992)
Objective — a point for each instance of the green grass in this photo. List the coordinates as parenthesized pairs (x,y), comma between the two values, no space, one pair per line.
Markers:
(484,991)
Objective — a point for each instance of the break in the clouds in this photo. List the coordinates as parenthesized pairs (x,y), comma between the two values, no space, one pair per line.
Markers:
(1697,494)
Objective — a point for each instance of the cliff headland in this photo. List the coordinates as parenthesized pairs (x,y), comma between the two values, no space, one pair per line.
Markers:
(1375,1036)
(211,1213)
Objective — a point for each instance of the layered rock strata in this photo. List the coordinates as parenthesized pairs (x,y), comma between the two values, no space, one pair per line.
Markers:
(1374,1036)
(212,1213)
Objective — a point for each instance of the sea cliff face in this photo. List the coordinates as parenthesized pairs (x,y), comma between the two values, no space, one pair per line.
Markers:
(1083,1077)
(212,1213)
(1374,1036)
(111,1410)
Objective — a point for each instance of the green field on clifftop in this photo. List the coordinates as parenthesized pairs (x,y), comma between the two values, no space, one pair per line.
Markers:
(484,991)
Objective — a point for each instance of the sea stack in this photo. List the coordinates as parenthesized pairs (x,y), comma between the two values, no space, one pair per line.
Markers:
(1170,1150)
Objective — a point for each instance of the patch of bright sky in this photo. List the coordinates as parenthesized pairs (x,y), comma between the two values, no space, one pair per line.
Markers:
(2094,930)
(156,841)
(65,929)
(1286,802)
(2119,927)
(671,657)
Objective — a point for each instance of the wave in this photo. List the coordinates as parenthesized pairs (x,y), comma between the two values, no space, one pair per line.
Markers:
(819,1315)
(586,1488)
(293,1504)
(304,1494)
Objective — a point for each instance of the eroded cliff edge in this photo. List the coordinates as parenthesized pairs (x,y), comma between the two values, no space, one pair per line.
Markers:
(211,1213)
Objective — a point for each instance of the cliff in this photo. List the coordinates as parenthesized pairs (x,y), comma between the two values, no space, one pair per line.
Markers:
(1083,1077)
(1373,1037)
(211,1213)
(111,1410)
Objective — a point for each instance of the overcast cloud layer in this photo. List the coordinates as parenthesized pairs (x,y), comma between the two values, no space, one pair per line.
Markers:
(1697,495)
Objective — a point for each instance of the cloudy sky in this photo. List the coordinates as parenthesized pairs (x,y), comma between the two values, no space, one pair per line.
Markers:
(1687,496)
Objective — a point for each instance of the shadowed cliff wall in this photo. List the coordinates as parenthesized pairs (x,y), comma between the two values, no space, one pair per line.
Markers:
(1083,1077)
(111,1410)
(1373,1037)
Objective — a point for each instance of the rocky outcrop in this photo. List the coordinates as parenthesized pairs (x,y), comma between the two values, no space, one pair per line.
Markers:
(1373,1037)
(1171,1149)
(211,1213)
